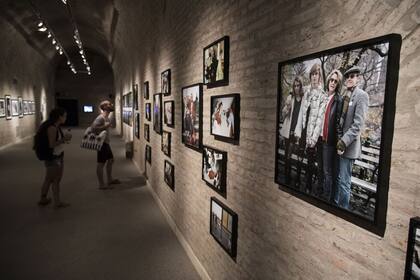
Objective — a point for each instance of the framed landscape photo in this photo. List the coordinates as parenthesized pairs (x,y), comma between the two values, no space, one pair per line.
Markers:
(166,143)
(412,261)
(336,108)
(168,113)
(146,132)
(20,107)
(148,154)
(192,124)
(136,96)
(8,105)
(137,126)
(214,169)
(157,113)
(225,117)
(224,226)
(169,174)
(2,108)
(15,107)
(148,112)
(165,79)
(216,63)
(146,90)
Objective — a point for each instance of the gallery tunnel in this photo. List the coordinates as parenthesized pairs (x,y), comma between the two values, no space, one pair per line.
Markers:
(168,67)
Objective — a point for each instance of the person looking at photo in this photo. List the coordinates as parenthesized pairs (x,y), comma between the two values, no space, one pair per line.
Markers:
(355,106)
(292,114)
(330,133)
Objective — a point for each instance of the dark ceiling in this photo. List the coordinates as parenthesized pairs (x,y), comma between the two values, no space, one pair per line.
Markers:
(95,20)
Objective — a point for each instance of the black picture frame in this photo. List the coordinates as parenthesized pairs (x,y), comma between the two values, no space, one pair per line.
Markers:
(147,132)
(148,154)
(192,125)
(215,70)
(166,143)
(386,50)
(224,226)
(32,103)
(8,104)
(146,90)
(221,117)
(148,111)
(169,174)
(137,126)
(136,96)
(2,108)
(165,82)
(412,260)
(20,107)
(25,107)
(168,113)
(157,113)
(214,169)
(127,108)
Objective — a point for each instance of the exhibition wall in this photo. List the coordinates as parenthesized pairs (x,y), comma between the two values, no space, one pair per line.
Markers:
(280,236)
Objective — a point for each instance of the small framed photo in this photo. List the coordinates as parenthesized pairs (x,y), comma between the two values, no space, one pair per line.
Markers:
(2,108)
(148,112)
(8,105)
(168,119)
(146,132)
(165,78)
(214,169)
(192,124)
(224,226)
(32,106)
(166,143)
(15,107)
(216,63)
(148,153)
(225,117)
(20,107)
(412,261)
(137,126)
(136,96)
(157,113)
(25,107)
(146,90)
(169,174)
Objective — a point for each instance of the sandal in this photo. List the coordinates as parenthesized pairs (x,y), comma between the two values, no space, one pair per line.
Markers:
(44,201)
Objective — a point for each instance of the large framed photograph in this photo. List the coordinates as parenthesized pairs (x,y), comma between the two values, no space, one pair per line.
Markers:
(137,126)
(148,113)
(165,79)
(216,63)
(136,96)
(146,90)
(157,113)
(412,261)
(224,226)
(335,120)
(214,169)
(192,124)
(166,143)
(146,132)
(169,174)
(8,104)
(225,117)
(148,154)
(2,108)
(15,107)
(168,109)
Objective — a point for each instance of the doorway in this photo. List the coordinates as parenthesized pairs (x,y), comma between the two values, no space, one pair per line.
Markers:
(72,108)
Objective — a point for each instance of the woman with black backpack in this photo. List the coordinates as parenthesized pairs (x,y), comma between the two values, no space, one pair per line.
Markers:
(49,147)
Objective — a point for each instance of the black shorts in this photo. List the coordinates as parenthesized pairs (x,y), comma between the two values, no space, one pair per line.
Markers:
(105,153)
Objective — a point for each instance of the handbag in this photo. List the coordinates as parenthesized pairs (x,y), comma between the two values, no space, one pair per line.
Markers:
(93,141)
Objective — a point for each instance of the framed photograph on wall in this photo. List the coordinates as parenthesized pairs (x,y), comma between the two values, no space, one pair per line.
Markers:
(165,79)
(224,226)
(169,174)
(15,107)
(166,143)
(157,113)
(216,63)
(412,261)
(8,105)
(33,107)
(336,108)
(146,132)
(146,90)
(214,169)
(168,109)
(25,107)
(192,124)
(225,117)
(136,96)
(148,112)
(20,107)
(148,153)
(2,108)
(137,126)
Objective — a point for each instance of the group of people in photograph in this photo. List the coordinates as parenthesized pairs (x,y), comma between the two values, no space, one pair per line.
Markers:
(322,126)
(214,63)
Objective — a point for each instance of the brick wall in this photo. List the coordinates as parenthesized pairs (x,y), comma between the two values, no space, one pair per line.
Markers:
(280,236)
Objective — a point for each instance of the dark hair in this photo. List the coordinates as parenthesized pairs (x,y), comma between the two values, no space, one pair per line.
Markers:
(55,114)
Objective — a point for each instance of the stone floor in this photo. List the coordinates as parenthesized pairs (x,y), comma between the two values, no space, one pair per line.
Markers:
(112,234)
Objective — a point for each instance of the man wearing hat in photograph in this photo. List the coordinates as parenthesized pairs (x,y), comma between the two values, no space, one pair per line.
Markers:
(352,121)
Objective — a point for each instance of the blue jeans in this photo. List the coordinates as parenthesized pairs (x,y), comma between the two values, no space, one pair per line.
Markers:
(329,156)
(342,196)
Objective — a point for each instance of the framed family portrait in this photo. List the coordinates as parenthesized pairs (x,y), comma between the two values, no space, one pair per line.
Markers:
(148,153)
(136,96)
(166,143)
(225,117)
(20,107)
(224,226)
(146,132)
(2,108)
(335,122)
(192,124)
(148,112)
(146,90)
(169,174)
(137,126)
(157,113)
(214,169)
(15,107)
(412,261)
(216,63)
(168,109)
(165,79)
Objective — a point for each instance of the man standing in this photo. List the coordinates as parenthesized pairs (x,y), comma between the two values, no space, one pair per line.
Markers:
(352,121)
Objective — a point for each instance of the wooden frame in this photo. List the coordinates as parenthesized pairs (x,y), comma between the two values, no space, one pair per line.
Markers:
(225,117)
(192,114)
(168,113)
(216,63)
(214,169)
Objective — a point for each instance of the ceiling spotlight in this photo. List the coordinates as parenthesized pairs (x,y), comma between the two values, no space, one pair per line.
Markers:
(40,24)
(64,1)
(68,62)
(42,29)
(88,73)
(49,35)
(60,52)
(53,41)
